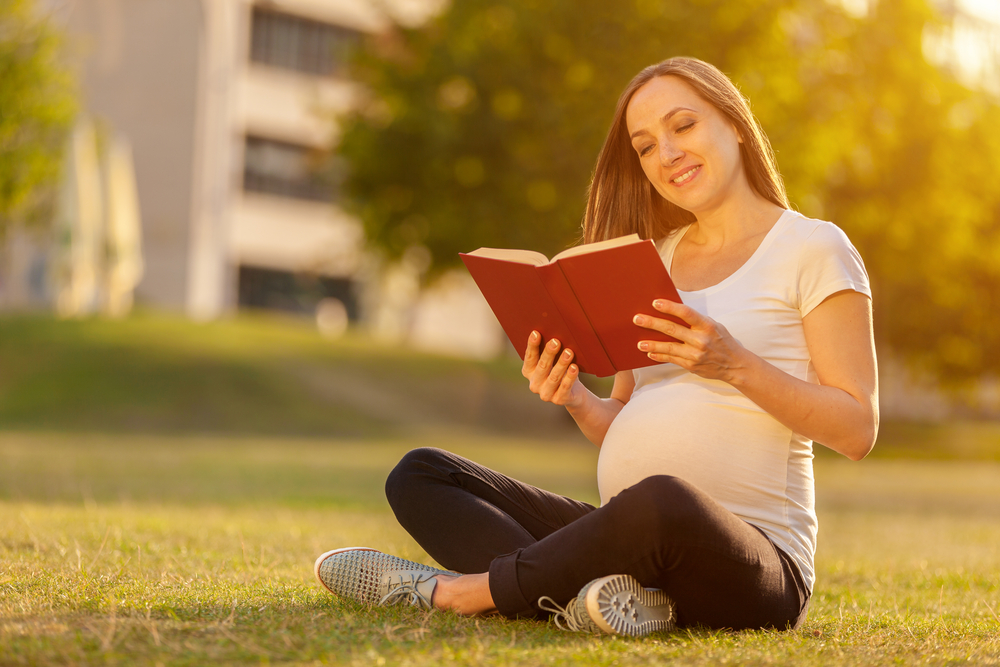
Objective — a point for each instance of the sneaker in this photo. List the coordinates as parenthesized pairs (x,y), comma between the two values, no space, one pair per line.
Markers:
(615,605)
(376,578)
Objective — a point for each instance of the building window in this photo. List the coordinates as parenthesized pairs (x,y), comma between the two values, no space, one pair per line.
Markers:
(300,44)
(299,293)
(289,170)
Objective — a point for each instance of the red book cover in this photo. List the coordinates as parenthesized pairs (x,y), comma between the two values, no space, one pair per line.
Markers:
(521,301)
(586,297)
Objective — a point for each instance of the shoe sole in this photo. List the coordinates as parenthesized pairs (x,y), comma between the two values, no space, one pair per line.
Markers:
(323,557)
(620,605)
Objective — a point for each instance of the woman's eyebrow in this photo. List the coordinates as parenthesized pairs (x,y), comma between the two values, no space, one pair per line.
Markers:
(663,119)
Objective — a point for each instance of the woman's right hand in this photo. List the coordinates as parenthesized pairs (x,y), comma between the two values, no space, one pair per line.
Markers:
(551,373)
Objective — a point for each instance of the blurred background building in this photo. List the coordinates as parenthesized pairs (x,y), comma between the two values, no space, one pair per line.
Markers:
(230,107)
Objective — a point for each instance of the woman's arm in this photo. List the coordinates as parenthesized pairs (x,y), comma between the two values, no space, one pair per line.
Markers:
(594,415)
(840,412)
(555,379)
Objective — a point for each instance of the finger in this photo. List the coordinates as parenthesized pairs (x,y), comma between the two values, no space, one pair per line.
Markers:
(565,390)
(562,363)
(668,327)
(686,313)
(552,383)
(548,356)
(676,353)
(530,354)
(544,365)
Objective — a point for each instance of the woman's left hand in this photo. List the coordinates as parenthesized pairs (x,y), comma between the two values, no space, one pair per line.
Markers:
(706,348)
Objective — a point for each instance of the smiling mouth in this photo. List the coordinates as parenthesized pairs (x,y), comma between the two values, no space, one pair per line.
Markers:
(686,176)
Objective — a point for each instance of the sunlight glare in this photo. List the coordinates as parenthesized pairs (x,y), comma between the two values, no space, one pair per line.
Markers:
(973,43)
(987,10)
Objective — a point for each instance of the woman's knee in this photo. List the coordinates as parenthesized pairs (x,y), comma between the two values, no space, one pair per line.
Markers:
(675,502)
(665,487)
(415,463)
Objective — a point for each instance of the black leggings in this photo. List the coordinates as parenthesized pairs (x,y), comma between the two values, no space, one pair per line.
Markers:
(720,571)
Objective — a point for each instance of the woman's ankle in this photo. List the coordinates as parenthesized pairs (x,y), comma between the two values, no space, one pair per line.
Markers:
(468,594)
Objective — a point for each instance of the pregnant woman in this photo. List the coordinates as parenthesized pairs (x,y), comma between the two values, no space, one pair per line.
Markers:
(705,472)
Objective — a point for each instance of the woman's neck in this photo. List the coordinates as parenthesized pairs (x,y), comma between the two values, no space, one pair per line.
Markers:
(735,220)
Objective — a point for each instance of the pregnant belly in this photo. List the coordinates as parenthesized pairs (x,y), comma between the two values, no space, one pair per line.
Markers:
(709,435)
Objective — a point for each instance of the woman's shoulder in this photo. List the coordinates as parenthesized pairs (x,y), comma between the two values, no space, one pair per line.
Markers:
(805,227)
(813,235)
(825,258)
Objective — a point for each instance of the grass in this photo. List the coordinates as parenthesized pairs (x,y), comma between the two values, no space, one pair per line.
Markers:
(165,487)
(255,375)
(249,375)
(170,549)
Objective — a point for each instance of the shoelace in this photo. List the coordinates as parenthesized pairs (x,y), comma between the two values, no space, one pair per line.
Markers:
(405,591)
(573,615)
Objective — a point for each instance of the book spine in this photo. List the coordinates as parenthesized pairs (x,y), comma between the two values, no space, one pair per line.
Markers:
(591,356)
(612,286)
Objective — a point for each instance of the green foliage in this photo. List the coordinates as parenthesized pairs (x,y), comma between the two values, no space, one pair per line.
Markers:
(37,105)
(914,188)
(483,126)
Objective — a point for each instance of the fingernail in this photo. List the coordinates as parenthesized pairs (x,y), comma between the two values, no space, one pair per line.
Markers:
(657,304)
(534,335)
(638,319)
(643,345)
(567,354)
(573,368)
(554,344)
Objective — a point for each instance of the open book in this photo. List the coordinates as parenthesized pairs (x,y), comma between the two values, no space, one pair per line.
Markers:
(585,297)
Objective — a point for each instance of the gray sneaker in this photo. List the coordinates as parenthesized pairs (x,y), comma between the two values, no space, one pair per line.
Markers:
(376,578)
(615,605)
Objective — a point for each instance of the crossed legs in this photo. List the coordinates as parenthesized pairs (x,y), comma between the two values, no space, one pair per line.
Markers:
(522,543)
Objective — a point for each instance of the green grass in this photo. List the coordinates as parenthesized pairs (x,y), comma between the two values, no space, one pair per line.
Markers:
(169,549)
(257,375)
(165,487)
(247,375)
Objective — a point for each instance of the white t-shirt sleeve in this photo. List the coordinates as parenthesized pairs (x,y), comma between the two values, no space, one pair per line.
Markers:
(828,264)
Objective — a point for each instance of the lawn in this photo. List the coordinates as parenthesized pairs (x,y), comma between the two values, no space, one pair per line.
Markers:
(166,486)
(247,375)
(171,549)
(256,375)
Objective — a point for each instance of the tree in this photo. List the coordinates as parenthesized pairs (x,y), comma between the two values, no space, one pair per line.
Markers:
(912,186)
(37,106)
(483,126)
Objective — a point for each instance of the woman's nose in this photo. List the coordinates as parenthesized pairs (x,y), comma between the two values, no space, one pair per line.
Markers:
(670,153)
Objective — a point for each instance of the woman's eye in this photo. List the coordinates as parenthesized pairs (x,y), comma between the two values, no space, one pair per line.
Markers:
(685,128)
(645,150)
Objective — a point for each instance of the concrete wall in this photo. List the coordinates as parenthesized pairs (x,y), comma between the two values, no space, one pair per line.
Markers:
(140,67)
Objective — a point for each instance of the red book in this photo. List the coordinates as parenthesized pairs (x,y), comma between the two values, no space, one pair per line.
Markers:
(585,297)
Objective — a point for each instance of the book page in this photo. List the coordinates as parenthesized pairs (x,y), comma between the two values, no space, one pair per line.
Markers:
(600,245)
(505,255)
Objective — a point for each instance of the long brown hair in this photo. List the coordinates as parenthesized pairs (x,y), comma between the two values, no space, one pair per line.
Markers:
(621,200)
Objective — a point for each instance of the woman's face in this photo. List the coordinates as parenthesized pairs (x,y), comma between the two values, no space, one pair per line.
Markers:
(688,150)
